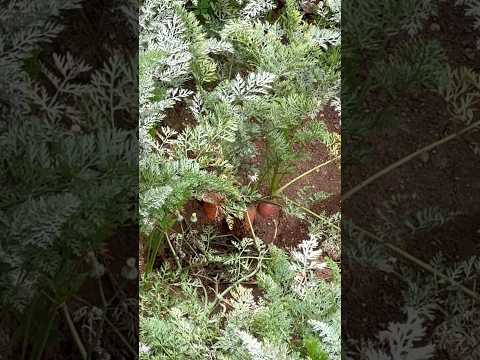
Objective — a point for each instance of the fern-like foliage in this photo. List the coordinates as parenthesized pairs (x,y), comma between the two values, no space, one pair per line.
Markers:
(176,167)
(305,73)
(60,173)
(305,308)
(68,167)
(400,341)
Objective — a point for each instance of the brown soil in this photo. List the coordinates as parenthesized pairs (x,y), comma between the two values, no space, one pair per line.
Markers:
(456,35)
(446,177)
(179,117)
(361,298)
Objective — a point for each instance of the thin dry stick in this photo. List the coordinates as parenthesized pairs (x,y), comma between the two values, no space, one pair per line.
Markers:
(401,252)
(276,229)
(307,210)
(177,260)
(305,174)
(419,262)
(121,337)
(250,224)
(73,330)
(407,158)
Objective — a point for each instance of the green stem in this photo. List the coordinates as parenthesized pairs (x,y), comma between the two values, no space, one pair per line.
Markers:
(152,254)
(177,260)
(235,284)
(27,334)
(39,351)
(274,180)
(114,328)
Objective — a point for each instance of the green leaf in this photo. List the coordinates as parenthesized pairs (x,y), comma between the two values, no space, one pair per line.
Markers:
(314,349)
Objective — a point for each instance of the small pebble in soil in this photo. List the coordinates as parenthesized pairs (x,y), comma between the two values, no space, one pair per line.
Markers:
(425,157)
(434,27)
(441,162)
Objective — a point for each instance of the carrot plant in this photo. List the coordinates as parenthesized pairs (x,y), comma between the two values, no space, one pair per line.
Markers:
(68,154)
(217,80)
(176,167)
(304,60)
